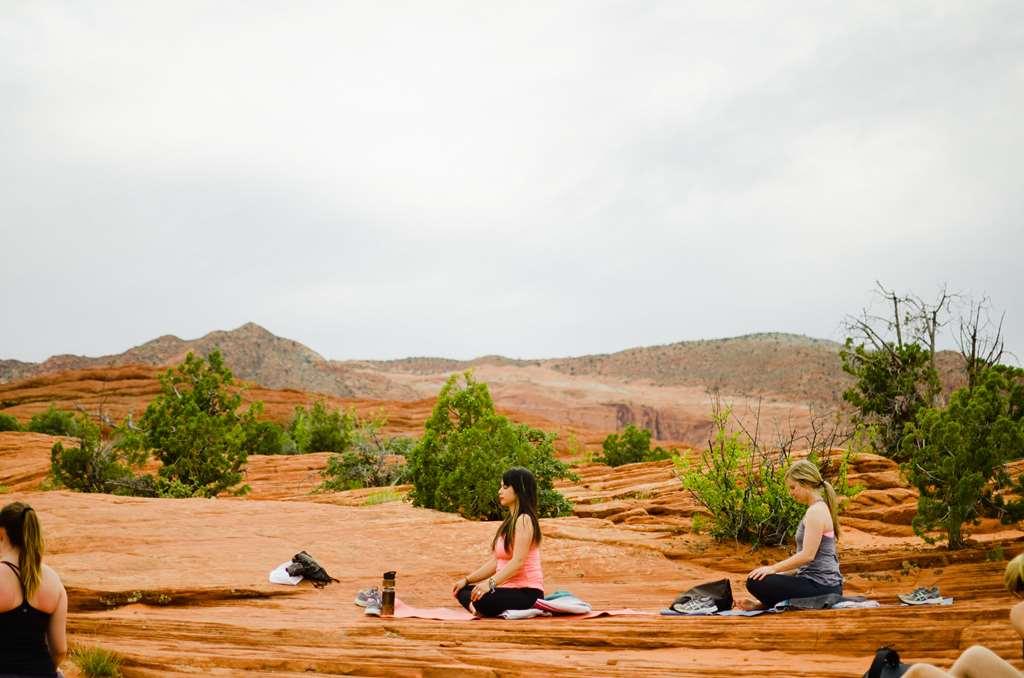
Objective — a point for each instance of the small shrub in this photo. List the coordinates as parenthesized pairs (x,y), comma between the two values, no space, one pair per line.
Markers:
(698,523)
(743,487)
(54,422)
(8,423)
(995,554)
(4,489)
(320,429)
(95,465)
(266,437)
(466,446)
(96,662)
(368,462)
(629,447)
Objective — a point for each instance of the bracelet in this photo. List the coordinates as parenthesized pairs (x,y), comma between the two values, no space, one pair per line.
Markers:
(490,582)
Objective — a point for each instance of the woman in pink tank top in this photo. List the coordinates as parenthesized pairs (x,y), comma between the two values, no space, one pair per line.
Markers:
(512,578)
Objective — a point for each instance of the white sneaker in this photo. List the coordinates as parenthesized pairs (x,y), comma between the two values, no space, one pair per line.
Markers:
(698,605)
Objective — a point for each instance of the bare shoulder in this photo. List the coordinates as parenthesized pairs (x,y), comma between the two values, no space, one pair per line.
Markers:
(819,515)
(50,577)
(524,529)
(50,589)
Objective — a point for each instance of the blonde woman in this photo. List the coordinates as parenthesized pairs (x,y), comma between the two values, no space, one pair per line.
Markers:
(978,661)
(33,603)
(814,569)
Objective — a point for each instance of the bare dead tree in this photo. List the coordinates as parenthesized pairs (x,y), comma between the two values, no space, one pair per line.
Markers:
(926,319)
(981,339)
(913,320)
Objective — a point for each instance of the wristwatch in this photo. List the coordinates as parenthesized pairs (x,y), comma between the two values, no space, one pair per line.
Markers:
(490,583)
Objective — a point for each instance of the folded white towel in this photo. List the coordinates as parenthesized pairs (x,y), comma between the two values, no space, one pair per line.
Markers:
(279,575)
(524,614)
(852,604)
(563,605)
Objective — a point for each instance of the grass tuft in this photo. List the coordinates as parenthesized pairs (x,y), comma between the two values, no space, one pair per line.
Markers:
(95,662)
(382,497)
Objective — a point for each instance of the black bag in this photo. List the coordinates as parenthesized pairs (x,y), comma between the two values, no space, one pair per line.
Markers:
(886,664)
(719,591)
(304,565)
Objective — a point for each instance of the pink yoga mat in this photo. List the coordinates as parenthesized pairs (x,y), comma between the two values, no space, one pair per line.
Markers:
(404,611)
(443,613)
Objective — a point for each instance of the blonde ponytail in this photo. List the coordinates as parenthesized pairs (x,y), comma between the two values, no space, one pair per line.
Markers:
(807,474)
(31,560)
(21,524)
(829,495)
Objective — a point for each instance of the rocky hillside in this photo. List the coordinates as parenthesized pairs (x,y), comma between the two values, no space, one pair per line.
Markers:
(252,353)
(788,367)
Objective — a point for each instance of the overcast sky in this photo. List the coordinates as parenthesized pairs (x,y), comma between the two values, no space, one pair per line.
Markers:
(379,179)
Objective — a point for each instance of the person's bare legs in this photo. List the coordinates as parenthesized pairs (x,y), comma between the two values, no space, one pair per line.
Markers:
(925,671)
(975,662)
(981,662)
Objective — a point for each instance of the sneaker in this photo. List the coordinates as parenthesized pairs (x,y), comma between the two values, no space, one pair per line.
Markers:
(368,597)
(923,595)
(697,605)
(372,610)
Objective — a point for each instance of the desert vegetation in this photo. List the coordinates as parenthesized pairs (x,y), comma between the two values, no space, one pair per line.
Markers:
(467,445)
(193,428)
(957,455)
(198,430)
(369,460)
(8,423)
(953,450)
(321,429)
(741,482)
(54,422)
(630,446)
(97,662)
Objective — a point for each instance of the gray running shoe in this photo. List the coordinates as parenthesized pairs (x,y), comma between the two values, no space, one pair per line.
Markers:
(923,595)
(368,597)
(698,605)
(372,610)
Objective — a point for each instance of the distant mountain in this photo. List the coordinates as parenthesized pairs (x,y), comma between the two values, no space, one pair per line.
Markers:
(795,367)
(252,353)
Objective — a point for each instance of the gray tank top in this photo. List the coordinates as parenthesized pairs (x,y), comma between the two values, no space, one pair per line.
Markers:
(824,569)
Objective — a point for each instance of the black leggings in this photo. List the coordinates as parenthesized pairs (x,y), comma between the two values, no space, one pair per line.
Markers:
(778,587)
(495,602)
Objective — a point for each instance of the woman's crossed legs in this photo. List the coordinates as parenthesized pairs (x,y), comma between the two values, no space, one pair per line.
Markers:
(495,602)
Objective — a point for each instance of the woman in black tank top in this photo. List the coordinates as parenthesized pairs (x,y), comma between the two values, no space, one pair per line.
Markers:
(32,641)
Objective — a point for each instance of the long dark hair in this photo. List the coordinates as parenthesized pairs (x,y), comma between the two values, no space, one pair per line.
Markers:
(22,527)
(525,485)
